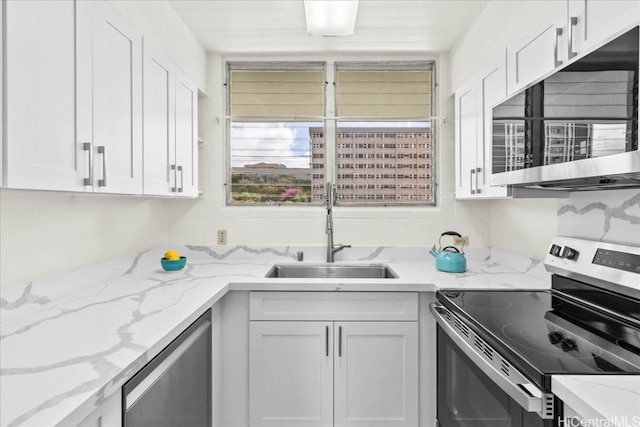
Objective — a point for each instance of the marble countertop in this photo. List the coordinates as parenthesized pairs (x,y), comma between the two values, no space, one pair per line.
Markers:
(611,400)
(70,341)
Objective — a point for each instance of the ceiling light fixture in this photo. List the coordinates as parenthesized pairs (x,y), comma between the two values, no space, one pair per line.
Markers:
(330,17)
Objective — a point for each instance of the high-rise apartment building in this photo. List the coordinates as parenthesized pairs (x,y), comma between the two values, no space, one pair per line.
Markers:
(376,165)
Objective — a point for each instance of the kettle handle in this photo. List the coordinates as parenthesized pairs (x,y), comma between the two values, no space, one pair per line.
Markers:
(447,233)
(451,233)
(451,247)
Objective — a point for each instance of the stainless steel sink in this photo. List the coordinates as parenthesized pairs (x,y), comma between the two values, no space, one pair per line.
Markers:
(331,271)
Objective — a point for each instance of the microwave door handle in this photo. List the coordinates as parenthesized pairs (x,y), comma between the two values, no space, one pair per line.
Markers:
(527,395)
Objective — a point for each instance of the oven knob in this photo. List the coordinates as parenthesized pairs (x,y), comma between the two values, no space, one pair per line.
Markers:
(555,337)
(569,253)
(555,250)
(568,345)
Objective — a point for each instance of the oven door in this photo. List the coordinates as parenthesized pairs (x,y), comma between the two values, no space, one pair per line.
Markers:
(467,397)
(479,387)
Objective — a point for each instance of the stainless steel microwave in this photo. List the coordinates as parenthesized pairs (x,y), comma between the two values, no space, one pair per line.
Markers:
(575,130)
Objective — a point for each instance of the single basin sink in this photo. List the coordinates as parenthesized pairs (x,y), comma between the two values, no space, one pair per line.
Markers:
(331,271)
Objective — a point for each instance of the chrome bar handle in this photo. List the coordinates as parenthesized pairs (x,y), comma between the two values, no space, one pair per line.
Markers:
(556,55)
(103,150)
(339,341)
(326,344)
(471,174)
(478,170)
(174,189)
(181,188)
(573,21)
(86,146)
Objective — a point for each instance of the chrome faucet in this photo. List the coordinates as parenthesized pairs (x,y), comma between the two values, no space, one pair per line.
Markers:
(332,249)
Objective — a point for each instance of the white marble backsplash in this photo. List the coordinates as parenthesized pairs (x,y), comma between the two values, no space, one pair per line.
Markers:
(610,216)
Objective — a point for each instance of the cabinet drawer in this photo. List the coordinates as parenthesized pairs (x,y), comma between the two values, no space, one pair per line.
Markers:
(387,306)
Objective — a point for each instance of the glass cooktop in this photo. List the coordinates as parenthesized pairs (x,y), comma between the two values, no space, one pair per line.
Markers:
(543,333)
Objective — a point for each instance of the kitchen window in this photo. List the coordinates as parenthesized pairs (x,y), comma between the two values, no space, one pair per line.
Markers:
(285,142)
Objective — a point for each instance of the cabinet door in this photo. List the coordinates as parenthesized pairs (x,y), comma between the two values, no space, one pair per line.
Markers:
(376,374)
(467,116)
(593,22)
(494,90)
(290,374)
(158,122)
(110,69)
(42,151)
(539,52)
(186,137)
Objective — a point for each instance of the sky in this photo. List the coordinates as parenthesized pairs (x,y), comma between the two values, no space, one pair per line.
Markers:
(285,143)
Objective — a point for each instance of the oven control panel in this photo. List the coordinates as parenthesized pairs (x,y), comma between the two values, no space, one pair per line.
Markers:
(618,260)
(614,266)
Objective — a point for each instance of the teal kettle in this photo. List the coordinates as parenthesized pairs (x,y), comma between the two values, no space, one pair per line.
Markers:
(449,259)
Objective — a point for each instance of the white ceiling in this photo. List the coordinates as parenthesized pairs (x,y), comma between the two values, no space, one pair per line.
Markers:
(271,26)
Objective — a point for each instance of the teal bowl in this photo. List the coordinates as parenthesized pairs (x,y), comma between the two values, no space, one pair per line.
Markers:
(173,264)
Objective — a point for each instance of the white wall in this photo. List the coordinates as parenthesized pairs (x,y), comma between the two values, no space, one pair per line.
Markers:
(417,226)
(44,233)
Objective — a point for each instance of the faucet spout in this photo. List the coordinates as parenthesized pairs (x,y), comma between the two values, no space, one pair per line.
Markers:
(332,249)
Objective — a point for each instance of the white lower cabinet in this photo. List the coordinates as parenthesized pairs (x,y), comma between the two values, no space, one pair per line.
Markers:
(334,372)
(291,374)
(376,374)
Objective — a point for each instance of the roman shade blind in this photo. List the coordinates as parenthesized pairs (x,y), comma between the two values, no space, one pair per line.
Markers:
(383,93)
(272,95)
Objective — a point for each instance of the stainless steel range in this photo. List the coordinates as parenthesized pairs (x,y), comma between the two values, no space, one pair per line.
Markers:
(497,350)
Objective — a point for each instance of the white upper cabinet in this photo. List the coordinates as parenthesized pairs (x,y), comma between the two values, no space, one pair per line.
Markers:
(170,128)
(573,28)
(41,148)
(73,85)
(110,87)
(539,51)
(158,122)
(467,134)
(186,114)
(593,22)
(473,133)
(493,87)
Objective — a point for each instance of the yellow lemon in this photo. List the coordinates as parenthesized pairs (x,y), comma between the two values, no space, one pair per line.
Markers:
(172,255)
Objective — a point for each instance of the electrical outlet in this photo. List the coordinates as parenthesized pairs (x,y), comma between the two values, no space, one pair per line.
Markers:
(222,237)
(461,241)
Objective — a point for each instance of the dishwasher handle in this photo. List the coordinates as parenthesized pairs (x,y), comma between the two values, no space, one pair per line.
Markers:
(133,395)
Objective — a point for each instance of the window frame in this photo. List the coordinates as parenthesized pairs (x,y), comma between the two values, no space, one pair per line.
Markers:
(330,123)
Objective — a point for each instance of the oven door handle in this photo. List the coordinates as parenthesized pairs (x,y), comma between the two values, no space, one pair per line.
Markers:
(516,385)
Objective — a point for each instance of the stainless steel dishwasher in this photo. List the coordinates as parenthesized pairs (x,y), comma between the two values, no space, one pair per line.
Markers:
(174,389)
